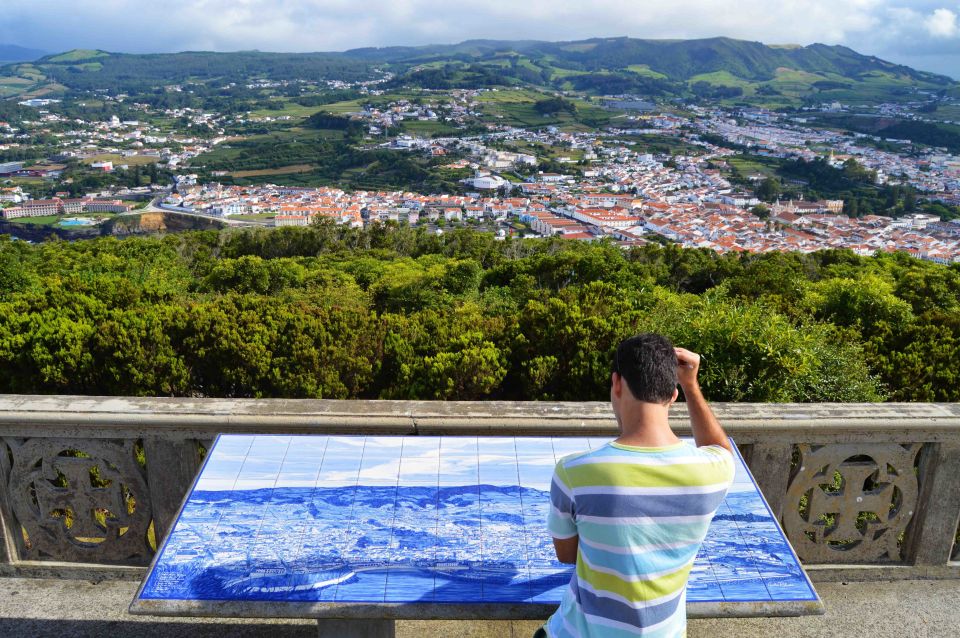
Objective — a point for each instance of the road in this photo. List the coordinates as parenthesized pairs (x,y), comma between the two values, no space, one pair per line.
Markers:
(155,207)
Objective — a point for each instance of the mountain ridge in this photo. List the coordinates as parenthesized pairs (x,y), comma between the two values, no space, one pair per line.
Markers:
(14,53)
(717,68)
(643,51)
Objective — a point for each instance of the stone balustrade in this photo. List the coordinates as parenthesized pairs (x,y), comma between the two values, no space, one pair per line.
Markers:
(88,485)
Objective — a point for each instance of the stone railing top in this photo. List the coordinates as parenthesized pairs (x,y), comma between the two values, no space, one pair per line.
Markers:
(112,416)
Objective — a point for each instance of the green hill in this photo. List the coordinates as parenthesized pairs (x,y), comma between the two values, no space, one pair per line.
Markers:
(668,67)
(714,68)
(676,59)
(89,70)
(76,55)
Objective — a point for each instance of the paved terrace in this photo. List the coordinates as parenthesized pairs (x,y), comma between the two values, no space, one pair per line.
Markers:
(879,542)
(43,608)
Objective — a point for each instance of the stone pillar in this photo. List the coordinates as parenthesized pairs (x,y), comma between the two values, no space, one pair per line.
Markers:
(11,538)
(770,465)
(171,467)
(929,539)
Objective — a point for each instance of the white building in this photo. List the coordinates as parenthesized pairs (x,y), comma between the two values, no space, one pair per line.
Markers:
(487,182)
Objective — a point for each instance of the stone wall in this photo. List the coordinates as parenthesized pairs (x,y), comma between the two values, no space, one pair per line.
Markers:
(90,484)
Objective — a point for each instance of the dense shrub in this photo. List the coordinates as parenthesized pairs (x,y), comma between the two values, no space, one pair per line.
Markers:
(392,312)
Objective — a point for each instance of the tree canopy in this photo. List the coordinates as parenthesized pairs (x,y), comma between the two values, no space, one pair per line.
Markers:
(394,312)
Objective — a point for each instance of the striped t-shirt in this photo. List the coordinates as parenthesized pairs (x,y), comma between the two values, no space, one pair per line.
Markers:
(641,515)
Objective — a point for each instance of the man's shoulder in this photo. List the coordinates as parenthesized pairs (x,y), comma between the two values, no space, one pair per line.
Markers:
(715,459)
(680,463)
(583,455)
(717,452)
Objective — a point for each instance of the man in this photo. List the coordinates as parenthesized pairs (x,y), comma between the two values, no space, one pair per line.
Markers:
(632,514)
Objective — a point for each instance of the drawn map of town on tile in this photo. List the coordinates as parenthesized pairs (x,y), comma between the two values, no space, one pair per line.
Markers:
(381,519)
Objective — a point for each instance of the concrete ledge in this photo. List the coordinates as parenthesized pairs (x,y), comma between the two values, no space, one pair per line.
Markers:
(126,417)
(55,608)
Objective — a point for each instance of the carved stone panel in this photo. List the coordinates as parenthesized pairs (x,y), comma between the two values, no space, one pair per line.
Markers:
(850,503)
(80,500)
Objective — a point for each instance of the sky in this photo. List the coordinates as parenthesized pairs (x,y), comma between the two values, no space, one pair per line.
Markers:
(922,34)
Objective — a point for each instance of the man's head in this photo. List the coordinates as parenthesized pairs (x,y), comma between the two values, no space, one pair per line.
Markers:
(645,369)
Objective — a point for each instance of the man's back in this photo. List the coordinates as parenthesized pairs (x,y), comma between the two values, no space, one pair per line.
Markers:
(640,515)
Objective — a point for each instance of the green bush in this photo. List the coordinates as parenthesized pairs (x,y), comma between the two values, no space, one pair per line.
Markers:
(394,312)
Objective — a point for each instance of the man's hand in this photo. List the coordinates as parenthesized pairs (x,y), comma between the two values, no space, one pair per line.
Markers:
(566,549)
(706,429)
(688,364)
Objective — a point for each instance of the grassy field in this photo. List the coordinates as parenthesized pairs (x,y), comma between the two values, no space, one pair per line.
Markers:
(46,89)
(515,107)
(436,64)
(24,181)
(54,220)
(559,73)
(949,112)
(873,87)
(87,66)
(30,72)
(749,165)
(428,128)
(795,84)
(527,63)
(282,170)
(301,133)
(14,81)
(21,79)
(11,85)
(225,153)
(723,78)
(291,109)
(117,159)
(522,114)
(580,46)
(511,95)
(646,71)
(79,54)
(47,220)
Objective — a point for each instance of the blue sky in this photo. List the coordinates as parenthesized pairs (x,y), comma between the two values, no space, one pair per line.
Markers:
(923,34)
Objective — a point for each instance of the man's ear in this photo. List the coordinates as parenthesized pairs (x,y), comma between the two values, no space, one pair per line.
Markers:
(616,384)
(676,393)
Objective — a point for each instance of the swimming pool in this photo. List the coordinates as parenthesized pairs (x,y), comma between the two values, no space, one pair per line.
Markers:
(77,222)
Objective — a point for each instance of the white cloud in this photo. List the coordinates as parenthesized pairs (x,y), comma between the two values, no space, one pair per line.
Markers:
(942,23)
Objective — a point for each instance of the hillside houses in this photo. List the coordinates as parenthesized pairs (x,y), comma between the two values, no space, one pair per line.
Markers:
(622,194)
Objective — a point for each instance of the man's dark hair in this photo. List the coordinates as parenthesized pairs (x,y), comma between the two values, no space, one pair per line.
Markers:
(648,363)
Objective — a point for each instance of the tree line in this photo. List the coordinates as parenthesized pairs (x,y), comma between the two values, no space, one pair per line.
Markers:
(400,313)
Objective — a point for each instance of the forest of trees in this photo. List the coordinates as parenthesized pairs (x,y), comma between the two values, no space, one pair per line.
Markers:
(852,182)
(135,74)
(391,312)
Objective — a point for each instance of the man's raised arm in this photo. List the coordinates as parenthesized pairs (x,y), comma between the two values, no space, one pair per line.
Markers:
(706,428)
